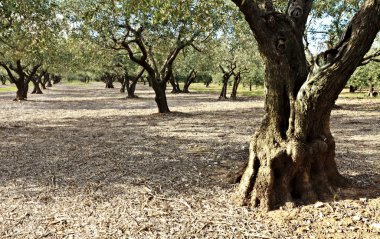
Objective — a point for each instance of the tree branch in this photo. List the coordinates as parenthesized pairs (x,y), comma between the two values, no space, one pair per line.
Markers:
(12,78)
(370,58)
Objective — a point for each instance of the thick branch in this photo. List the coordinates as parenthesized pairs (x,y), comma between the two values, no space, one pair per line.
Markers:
(33,71)
(12,78)
(140,74)
(334,67)
(370,58)
(250,9)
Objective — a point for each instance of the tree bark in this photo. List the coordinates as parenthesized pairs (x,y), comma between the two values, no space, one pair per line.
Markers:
(131,88)
(22,91)
(292,155)
(109,84)
(160,98)
(43,85)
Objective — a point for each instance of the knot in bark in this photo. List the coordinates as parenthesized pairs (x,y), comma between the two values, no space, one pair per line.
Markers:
(298,151)
(281,45)
(319,146)
(295,9)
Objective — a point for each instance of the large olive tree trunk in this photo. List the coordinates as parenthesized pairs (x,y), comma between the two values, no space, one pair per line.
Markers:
(292,155)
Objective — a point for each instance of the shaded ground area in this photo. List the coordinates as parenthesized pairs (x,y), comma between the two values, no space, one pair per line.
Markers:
(83,162)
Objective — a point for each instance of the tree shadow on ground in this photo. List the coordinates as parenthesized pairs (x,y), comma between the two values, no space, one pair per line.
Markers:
(175,154)
(118,150)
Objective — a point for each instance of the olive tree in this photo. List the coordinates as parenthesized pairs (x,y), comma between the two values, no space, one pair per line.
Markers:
(292,155)
(152,33)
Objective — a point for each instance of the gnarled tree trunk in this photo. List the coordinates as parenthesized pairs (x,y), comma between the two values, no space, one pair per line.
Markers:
(292,155)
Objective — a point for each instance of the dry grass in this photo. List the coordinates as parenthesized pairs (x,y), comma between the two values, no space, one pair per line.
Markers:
(82,162)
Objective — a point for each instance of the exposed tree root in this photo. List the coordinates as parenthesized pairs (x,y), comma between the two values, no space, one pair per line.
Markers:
(292,174)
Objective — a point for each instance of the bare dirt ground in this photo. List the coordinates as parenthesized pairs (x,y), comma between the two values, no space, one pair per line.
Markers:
(83,162)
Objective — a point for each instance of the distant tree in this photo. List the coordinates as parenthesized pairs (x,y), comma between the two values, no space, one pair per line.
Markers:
(3,79)
(227,74)
(152,38)
(28,32)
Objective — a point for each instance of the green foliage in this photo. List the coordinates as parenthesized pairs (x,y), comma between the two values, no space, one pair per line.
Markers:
(29,30)
(366,75)
(8,89)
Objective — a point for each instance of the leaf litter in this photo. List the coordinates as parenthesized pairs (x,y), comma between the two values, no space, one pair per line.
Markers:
(83,162)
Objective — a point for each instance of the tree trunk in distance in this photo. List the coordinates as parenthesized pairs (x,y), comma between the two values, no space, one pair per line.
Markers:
(131,88)
(109,82)
(22,90)
(175,85)
(235,86)
(48,80)
(124,83)
(371,91)
(189,80)
(36,89)
(43,85)
(223,93)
